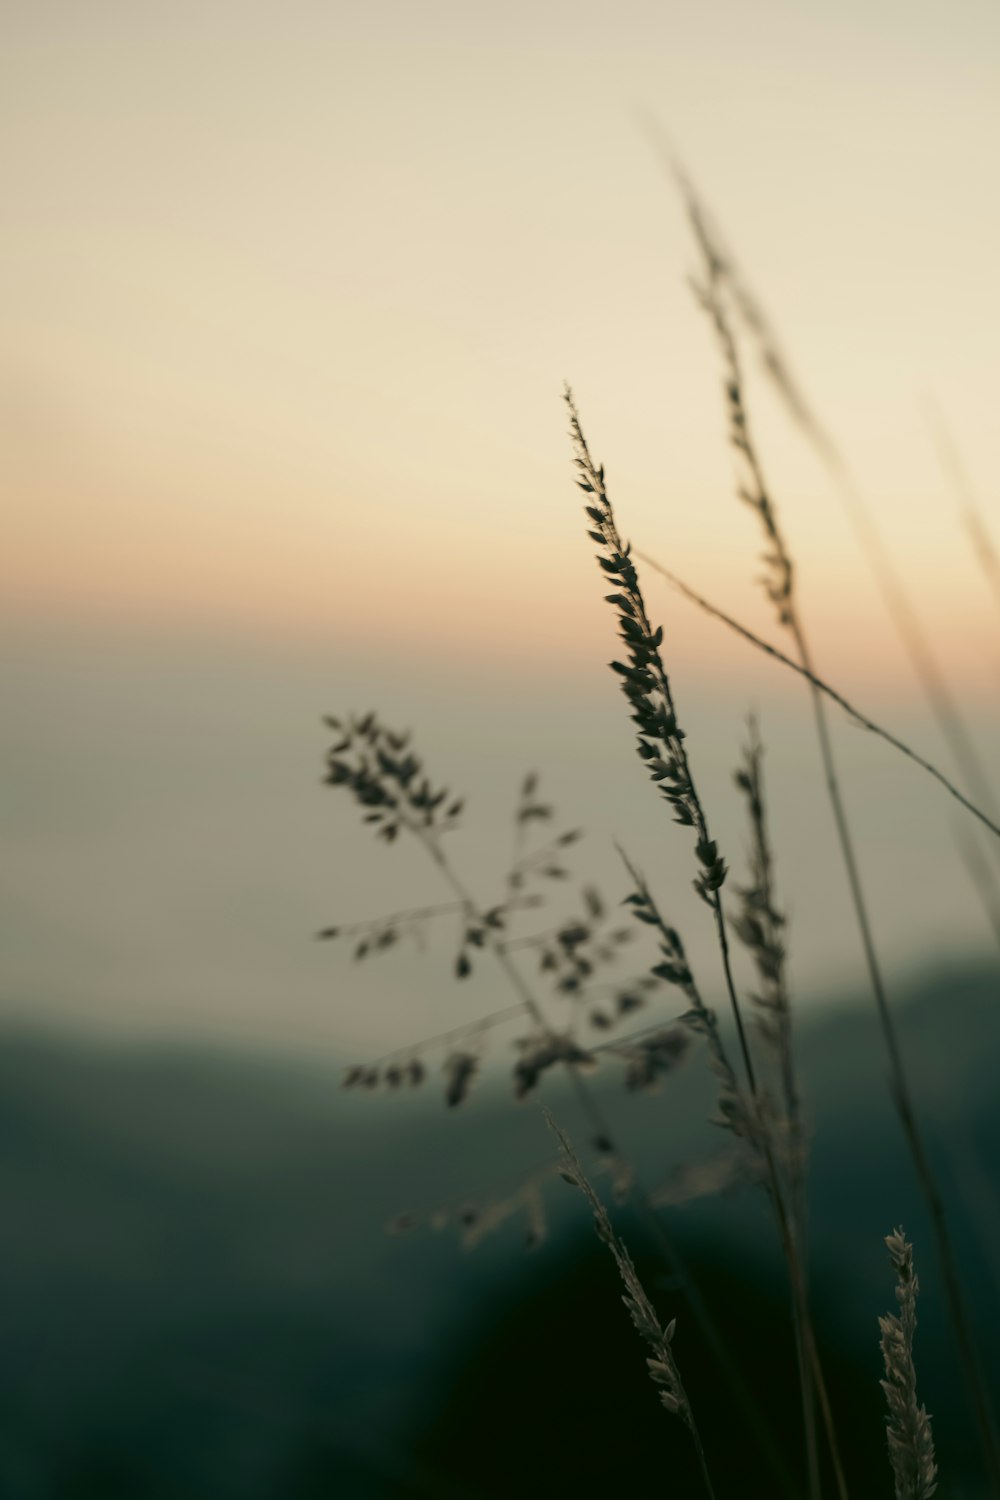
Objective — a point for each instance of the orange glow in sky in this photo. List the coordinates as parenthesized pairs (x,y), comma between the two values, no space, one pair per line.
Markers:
(290,296)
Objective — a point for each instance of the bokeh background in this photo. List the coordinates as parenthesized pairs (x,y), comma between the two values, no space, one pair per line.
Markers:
(289,297)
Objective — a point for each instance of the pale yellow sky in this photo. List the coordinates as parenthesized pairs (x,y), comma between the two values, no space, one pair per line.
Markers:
(290,292)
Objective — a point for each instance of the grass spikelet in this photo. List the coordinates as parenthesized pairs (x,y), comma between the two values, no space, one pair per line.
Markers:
(661,746)
(905,614)
(760,927)
(911,1444)
(660,740)
(737,1112)
(661,1364)
(779,584)
(379,769)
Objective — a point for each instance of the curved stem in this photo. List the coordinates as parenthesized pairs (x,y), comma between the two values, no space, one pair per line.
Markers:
(821,686)
(664,1241)
(902,1098)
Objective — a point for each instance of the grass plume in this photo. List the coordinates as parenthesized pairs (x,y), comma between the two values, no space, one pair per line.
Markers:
(911,1444)
(661,1363)
(779,584)
(380,769)
(660,744)
(760,927)
(906,618)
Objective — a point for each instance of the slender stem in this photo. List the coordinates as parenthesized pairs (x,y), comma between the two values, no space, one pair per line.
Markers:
(903,1100)
(647,688)
(482,1023)
(699,1450)
(762,935)
(701,822)
(758,1137)
(911,632)
(780,588)
(664,1241)
(805,1343)
(663,1368)
(723,268)
(982,876)
(800,1306)
(391,918)
(821,686)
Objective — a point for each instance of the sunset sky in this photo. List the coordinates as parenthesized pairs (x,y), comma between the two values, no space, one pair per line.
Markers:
(290,294)
(291,291)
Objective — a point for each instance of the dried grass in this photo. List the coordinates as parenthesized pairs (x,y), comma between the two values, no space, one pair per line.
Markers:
(573,953)
(911,1446)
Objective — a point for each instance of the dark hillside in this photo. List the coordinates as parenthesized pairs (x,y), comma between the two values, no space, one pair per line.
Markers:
(200,1299)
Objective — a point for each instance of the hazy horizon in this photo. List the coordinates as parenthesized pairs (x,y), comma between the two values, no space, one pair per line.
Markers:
(171,850)
(289,302)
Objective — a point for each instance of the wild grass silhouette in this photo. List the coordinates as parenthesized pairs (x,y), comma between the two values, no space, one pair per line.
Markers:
(574,1014)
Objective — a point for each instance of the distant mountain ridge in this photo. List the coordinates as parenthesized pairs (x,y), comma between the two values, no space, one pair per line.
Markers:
(201,1299)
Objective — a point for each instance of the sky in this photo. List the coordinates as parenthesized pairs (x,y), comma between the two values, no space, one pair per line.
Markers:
(290,294)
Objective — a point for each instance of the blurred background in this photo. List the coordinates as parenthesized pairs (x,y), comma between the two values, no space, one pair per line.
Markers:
(289,297)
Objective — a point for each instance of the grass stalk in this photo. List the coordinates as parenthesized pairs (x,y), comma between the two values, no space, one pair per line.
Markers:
(385,779)
(600,1127)
(663,1368)
(904,616)
(820,685)
(661,746)
(780,587)
(911,1444)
